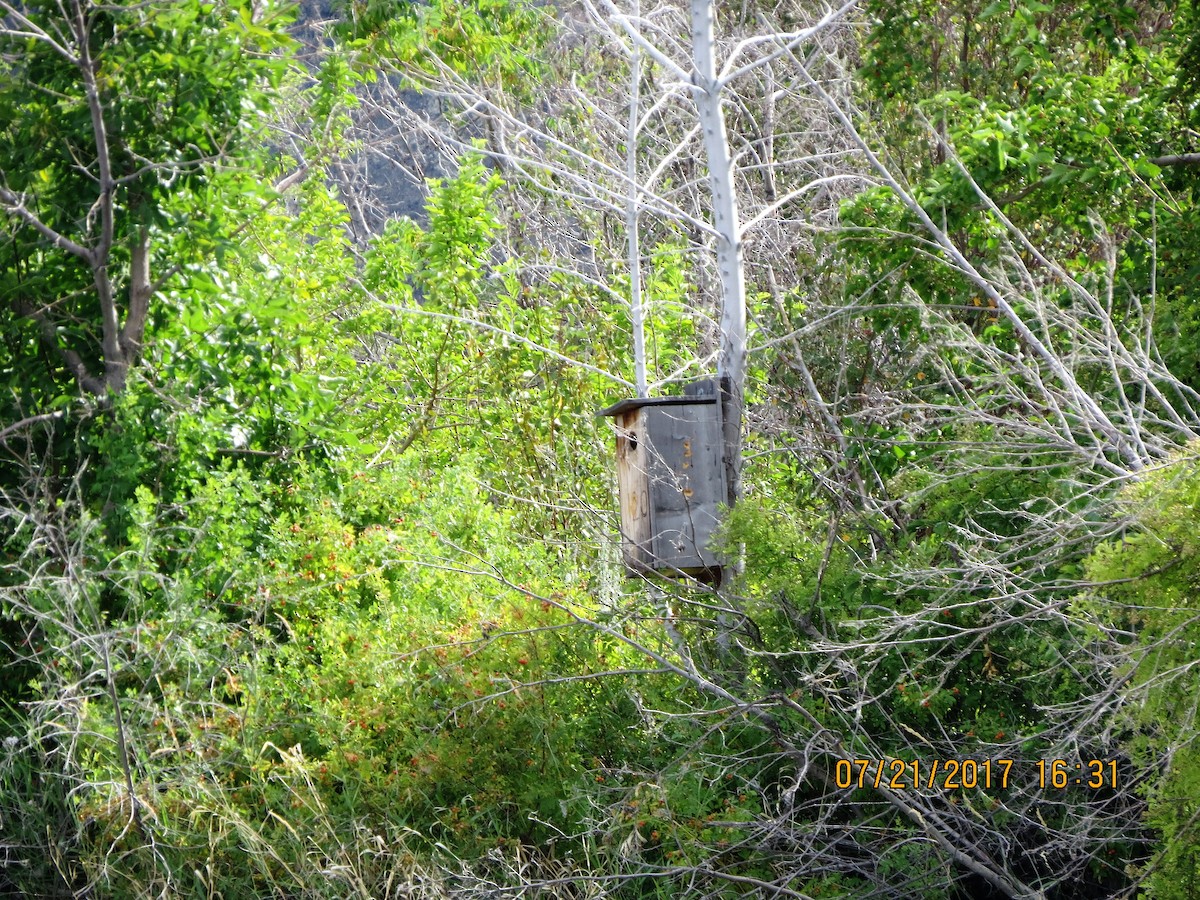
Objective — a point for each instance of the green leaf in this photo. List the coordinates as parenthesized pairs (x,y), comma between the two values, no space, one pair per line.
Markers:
(1147,169)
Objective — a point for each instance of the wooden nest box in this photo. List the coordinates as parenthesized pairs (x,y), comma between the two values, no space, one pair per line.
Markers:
(671,479)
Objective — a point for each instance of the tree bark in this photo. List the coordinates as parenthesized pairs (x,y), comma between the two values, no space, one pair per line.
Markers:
(731,360)
(636,310)
(1177,159)
(140,290)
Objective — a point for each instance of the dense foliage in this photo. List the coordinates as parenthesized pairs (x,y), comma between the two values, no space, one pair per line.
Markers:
(309,583)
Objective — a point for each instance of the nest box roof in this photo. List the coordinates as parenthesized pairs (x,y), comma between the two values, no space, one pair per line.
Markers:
(638,402)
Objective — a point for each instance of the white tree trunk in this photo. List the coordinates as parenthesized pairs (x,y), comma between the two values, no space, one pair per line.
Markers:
(636,310)
(731,361)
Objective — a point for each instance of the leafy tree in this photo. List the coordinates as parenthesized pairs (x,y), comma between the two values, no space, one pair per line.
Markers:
(121,157)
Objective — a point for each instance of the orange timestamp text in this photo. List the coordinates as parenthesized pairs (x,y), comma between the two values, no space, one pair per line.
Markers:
(970,774)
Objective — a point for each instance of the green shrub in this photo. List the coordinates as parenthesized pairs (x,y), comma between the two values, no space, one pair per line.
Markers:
(1147,596)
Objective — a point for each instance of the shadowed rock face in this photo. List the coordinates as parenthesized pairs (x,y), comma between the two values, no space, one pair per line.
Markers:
(311,12)
(387,180)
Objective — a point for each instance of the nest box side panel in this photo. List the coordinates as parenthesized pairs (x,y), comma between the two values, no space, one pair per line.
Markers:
(633,489)
(687,484)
